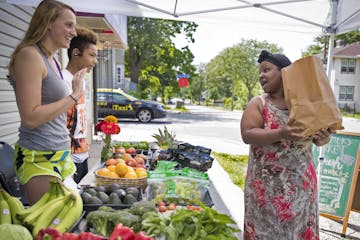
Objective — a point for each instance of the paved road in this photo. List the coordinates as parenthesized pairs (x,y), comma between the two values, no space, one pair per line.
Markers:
(220,131)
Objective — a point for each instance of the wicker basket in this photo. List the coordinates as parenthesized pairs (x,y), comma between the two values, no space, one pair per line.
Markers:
(123,182)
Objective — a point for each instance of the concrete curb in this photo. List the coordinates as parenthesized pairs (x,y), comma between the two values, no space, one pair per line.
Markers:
(231,195)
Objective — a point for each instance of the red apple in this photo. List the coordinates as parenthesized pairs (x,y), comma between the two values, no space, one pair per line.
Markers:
(120,150)
(131,150)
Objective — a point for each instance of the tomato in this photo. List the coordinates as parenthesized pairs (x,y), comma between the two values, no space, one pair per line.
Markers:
(171,206)
(162,208)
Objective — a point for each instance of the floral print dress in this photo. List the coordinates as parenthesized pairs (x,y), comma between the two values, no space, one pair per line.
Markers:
(281,199)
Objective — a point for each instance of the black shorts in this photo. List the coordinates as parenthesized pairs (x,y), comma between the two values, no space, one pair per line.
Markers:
(81,170)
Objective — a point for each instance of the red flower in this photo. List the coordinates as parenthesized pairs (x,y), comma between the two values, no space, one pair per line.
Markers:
(260,192)
(274,125)
(283,208)
(98,126)
(308,234)
(271,156)
(249,232)
(110,128)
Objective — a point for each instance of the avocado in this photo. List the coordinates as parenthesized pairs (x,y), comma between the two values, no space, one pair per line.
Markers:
(100,188)
(121,193)
(85,197)
(95,200)
(129,199)
(113,187)
(133,191)
(103,197)
(114,199)
(91,191)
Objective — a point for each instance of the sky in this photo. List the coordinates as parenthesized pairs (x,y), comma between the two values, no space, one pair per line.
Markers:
(215,35)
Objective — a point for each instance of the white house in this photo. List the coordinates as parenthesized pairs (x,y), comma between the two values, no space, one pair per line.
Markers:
(346,60)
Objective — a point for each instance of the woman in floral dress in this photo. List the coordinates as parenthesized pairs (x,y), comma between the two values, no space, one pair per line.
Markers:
(281,198)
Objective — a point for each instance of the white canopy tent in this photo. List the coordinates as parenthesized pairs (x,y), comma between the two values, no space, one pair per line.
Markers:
(330,16)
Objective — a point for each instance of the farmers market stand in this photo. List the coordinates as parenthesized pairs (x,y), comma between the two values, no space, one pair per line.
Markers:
(224,193)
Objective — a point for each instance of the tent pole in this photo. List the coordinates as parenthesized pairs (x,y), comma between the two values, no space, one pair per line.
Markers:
(329,65)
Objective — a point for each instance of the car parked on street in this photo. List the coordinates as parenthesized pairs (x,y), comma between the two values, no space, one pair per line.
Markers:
(122,105)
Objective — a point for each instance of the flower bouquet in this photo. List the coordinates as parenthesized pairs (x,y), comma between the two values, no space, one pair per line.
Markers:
(107,127)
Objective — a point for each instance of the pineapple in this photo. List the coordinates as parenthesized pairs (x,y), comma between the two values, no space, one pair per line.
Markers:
(165,139)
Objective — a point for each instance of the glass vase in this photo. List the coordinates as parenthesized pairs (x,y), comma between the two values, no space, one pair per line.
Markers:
(107,150)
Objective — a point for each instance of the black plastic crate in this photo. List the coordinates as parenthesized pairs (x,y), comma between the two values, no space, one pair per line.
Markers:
(93,207)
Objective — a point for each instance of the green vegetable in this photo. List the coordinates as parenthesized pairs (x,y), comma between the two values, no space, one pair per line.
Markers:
(127,219)
(103,220)
(142,207)
(143,145)
(201,225)
(99,222)
(155,224)
(14,232)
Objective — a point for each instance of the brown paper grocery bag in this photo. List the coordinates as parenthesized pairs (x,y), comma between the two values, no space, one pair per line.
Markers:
(309,97)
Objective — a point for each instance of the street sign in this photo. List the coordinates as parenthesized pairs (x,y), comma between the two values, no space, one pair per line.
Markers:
(183,82)
(182,75)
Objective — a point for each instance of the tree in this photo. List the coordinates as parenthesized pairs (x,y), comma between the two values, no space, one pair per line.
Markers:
(151,50)
(234,71)
(197,84)
(321,42)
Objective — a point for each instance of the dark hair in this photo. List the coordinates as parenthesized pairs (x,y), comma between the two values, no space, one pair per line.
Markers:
(82,40)
(280,60)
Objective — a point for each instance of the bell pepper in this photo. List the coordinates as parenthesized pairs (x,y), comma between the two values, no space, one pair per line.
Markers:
(121,232)
(69,236)
(142,236)
(48,234)
(90,236)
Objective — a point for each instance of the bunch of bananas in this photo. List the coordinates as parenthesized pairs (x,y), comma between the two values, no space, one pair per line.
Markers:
(58,208)
(9,207)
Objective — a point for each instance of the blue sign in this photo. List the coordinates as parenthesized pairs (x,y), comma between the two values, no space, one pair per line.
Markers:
(182,76)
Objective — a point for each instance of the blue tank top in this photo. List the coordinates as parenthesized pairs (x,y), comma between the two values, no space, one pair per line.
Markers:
(52,135)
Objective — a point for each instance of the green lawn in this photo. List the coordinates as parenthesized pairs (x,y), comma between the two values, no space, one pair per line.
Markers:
(234,165)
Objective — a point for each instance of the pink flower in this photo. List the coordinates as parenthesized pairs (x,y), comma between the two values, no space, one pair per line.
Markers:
(259,192)
(283,208)
(249,232)
(271,156)
(308,234)
(274,125)
(110,128)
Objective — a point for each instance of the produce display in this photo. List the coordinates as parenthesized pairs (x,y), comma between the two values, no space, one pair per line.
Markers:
(184,186)
(59,208)
(124,165)
(113,195)
(144,191)
(190,223)
(103,220)
(14,232)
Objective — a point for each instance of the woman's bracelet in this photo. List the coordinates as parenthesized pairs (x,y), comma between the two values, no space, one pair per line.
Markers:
(76,101)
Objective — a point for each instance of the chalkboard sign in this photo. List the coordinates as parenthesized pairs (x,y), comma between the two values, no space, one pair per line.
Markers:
(337,172)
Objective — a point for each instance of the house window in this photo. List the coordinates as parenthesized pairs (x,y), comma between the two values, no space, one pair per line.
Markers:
(346,93)
(118,73)
(348,65)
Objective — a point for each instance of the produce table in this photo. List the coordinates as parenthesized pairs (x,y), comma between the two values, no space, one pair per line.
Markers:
(178,183)
(89,179)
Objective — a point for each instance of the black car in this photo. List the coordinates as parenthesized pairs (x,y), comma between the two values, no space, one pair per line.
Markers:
(122,105)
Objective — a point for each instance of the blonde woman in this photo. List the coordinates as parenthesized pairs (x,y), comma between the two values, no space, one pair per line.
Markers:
(43,149)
